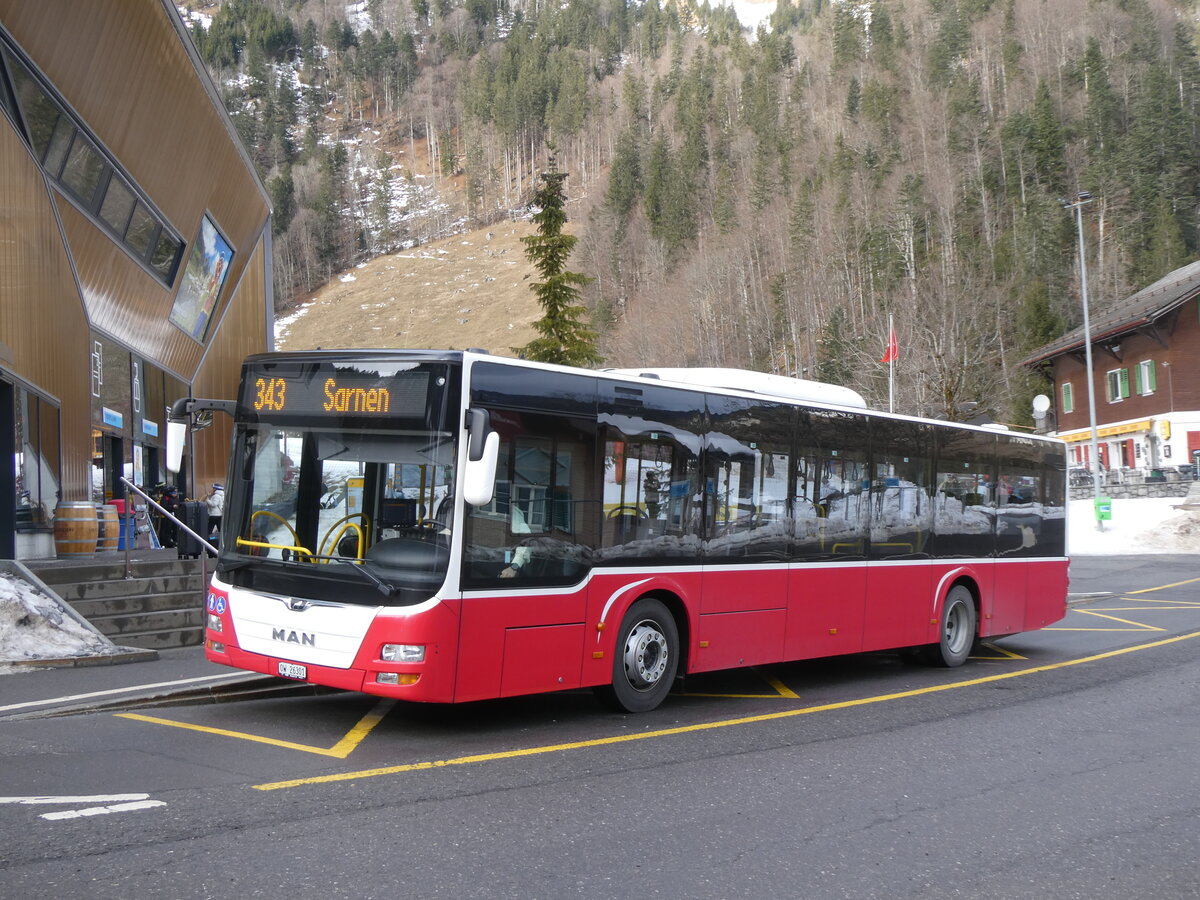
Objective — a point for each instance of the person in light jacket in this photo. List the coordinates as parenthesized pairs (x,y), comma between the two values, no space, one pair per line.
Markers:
(216,509)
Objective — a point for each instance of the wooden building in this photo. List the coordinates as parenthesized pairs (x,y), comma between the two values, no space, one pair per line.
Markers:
(134,255)
(1146,379)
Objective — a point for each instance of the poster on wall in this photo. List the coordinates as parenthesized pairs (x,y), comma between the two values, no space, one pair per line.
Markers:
(203,279)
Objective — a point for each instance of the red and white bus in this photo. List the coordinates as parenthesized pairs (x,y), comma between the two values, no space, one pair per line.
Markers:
(454,526)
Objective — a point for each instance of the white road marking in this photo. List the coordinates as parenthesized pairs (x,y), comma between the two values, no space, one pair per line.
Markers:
(101,810)
(114,803)
(125,690)
(103,798)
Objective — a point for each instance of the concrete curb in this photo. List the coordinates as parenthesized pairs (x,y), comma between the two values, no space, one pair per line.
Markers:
(124,655)
(1080,599)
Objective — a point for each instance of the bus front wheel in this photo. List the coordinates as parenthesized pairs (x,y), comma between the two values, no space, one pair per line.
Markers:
(645,659)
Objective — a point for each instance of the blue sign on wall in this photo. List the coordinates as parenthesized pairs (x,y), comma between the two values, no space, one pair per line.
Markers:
(112,417)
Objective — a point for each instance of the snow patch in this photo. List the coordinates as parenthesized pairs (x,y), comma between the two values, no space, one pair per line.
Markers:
(34,625)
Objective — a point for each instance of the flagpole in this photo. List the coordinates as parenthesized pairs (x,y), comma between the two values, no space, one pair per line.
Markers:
(891,367)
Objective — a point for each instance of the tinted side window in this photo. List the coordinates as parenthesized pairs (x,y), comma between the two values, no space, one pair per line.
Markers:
(1029,514)
(542,523)
(747,458)
(830,502)
(964,499)
(653,504)
(901,495)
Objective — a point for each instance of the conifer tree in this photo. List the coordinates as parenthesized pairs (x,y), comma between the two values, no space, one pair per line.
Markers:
(563,337)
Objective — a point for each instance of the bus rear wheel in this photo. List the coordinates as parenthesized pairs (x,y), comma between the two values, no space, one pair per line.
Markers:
(645,659)
(958,629)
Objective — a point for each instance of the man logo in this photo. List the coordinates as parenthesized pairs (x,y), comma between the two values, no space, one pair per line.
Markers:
(295,604)
(303,638)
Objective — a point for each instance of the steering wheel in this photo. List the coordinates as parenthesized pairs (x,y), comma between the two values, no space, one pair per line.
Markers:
(628,509)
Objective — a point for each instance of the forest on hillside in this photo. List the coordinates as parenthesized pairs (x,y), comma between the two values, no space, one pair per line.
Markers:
(760,200)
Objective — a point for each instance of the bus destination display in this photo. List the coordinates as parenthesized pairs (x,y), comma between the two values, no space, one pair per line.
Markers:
(337,392)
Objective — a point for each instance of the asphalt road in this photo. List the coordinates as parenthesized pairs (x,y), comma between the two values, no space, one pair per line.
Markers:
(1058,764)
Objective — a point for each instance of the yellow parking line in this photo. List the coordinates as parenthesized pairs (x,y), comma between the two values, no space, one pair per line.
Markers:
(1141,626)
(340,750)
(708,726)
(1163,587)
(1004,654)
(1164,604)
(783,692)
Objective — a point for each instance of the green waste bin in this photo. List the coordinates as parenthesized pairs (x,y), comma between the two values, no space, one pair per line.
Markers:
(1103,509)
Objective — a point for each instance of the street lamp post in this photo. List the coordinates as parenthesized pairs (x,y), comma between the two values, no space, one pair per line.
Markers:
(1082,199)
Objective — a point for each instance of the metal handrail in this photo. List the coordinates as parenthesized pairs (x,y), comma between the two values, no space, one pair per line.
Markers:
(205,546)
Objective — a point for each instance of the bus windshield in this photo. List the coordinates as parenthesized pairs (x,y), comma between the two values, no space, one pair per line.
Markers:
(368,508)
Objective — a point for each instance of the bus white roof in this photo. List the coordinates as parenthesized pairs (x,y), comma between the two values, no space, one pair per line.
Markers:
(755,382)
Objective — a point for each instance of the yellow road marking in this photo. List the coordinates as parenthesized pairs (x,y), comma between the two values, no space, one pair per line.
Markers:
(1160,604)
(782,691)
(1163,587)
(340,750)
(1004,654)
(709,726)
(1139,626)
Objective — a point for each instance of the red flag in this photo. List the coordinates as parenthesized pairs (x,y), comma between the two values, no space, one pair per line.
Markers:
(892,353)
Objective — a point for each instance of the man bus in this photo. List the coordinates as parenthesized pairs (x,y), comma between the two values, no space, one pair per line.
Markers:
(505,527)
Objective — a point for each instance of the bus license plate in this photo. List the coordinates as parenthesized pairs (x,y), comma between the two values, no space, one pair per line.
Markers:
(291,670)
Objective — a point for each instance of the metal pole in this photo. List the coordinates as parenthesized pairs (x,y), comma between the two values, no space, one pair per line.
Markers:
(122,536)
(891,367)
(1087,349)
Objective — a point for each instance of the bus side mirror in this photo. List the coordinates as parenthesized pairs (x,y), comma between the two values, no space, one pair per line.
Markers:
(483,452)
(186,413)
(176,438)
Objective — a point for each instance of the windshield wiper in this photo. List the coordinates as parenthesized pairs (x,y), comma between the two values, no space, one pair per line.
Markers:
(359,566)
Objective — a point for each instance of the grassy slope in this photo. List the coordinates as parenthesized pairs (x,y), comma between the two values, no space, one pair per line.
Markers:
(471,290)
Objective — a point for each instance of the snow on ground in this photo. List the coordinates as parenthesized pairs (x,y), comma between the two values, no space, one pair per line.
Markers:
(36,626)
(1151,525)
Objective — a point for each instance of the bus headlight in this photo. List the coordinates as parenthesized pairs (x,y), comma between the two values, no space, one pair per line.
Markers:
(403,653)
(214,623)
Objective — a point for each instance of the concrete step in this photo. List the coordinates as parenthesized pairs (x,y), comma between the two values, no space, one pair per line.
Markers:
(130,587)
(160,606)
(167,639)
(118,627)
(92,607)
(82,572)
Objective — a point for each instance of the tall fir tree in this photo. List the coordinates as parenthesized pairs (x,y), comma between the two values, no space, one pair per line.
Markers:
(563,337)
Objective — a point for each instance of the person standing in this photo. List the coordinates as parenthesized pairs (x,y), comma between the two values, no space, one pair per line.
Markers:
(216,509)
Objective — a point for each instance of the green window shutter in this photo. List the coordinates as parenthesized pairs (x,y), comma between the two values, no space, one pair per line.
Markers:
(1068,399)
(1152,371)
(1124,383)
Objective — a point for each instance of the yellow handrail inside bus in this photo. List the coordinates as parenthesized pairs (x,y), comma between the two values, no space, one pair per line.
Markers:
(349,526)
(299,550)
(295,548)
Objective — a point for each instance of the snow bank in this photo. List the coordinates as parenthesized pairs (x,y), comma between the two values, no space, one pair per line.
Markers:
(1150,525)
(35,625)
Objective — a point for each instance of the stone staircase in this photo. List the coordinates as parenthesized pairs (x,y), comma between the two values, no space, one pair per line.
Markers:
(160,607)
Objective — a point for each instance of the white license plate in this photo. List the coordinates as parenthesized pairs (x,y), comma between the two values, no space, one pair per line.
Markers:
(291,670)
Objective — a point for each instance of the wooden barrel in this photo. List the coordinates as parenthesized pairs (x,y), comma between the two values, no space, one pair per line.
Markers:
(109,527)
(75,529)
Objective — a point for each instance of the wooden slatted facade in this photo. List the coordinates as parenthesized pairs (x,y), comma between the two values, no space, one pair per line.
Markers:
(76,304)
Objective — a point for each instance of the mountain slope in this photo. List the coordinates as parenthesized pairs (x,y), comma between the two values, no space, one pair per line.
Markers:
(471,290)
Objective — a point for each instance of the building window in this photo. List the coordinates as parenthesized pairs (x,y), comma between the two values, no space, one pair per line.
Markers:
(36,457)
(1147,382)
(1117,385)
(72,157)
(1068,398)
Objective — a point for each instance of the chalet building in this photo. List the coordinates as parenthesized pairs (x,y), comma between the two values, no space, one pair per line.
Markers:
(134,256)
(1146,378)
